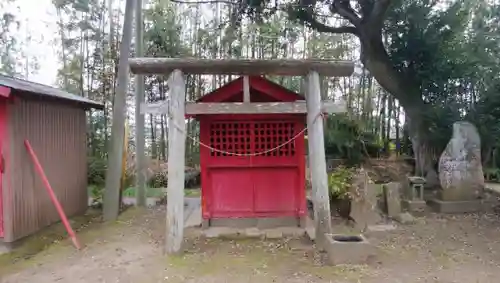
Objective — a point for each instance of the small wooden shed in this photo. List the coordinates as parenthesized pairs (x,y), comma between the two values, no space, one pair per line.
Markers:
(54,122)
(265,175)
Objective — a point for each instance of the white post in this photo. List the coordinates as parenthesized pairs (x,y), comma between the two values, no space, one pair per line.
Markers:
(246,89)
(176,164)
(317,160)
(139,117)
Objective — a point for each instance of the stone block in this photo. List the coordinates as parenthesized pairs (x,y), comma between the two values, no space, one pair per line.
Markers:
(345,249)
(240,223)
(457,195)
(205,224)
(252,232)
(5,248)
(381,228)
(275,222)
(274,234)
(293,231)
(466,206)
(215,232)
(414,205)
(405,218)
(303,222)
(364,207)
(416,180)
(392,198)
(309,229)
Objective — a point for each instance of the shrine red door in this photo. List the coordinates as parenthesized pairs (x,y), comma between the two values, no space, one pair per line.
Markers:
(248,185)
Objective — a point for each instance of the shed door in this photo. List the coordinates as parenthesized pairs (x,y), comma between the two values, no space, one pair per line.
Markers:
(251,186)
(3,119)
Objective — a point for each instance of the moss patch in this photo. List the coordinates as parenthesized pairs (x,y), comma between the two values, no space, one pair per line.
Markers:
(47,237)
(192,192)
(54,239)
(244,258)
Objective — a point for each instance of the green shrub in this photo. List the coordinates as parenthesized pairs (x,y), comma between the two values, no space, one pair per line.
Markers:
(158,180)
(345,139)
(339,182)
(96,171)
(97,193)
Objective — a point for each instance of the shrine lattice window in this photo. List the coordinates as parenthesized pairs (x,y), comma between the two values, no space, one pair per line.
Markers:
(252,137)
(233,137)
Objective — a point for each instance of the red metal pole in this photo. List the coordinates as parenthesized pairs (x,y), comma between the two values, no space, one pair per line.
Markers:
(52,195)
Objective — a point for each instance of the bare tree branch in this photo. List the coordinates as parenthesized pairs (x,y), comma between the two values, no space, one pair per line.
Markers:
(315,24)
(344,9)
(229,2)
(306,14)
(342,29)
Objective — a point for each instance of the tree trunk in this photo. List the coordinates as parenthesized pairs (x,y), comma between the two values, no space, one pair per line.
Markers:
(163,138)
(377,61)
(154,147)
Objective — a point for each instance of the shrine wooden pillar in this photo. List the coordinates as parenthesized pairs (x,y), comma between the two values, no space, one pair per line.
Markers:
(317,159)
(176,163)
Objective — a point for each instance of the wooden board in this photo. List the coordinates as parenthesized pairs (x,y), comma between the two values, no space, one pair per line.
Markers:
(298,107)
(281,67)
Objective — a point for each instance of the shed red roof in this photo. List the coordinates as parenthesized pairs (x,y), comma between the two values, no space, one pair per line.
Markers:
(36,89)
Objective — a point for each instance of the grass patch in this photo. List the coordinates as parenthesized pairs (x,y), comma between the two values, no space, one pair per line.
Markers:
(53,240)
(46,238)
(150,192)
(129,192)
(251,258)
(192,192)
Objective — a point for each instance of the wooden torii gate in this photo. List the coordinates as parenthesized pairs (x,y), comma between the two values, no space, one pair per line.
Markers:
(177,107)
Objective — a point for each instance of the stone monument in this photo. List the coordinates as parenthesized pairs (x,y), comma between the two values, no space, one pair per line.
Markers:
(364,208)
(461,172)
(392,199)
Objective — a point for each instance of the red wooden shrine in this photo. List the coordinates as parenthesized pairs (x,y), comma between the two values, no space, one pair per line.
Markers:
(267,185)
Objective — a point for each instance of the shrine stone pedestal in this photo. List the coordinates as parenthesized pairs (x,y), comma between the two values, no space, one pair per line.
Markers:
(464,206)
(413,197)
(461,173)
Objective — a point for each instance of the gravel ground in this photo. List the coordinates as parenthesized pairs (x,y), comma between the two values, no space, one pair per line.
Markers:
(437,248)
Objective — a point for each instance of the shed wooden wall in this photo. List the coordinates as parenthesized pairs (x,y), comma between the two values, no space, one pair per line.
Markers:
(57,133)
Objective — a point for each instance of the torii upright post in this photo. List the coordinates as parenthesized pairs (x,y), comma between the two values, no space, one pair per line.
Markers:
(176,163)
(139,117)
(317,159)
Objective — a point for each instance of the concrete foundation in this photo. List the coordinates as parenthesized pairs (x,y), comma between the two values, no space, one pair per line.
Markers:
(259,223)
(270,228)
(414,205)
(274,233)
(344,249)
(464,206)
(5,247)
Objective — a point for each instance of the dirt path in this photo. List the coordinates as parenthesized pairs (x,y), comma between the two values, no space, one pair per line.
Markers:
(437,249)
